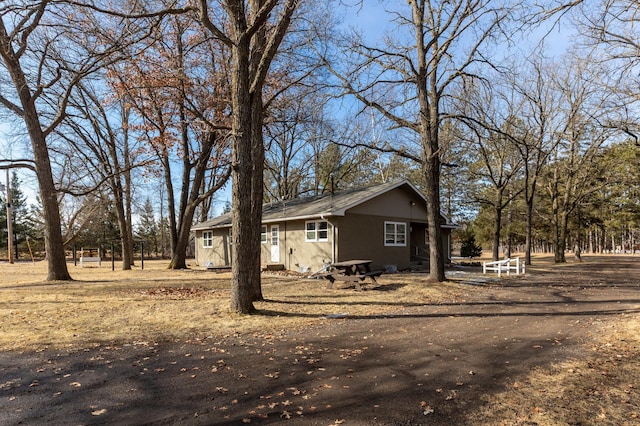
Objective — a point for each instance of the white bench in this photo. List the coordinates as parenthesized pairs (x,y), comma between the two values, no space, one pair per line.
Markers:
(90,256)
(506,265)
(90,259)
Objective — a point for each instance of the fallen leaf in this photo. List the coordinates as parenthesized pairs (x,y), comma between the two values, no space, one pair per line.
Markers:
(285,415)
(98,412)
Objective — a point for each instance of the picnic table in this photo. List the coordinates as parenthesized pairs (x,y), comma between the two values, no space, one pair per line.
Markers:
(354,271)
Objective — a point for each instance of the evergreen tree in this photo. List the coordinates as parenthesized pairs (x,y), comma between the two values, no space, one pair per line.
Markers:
(468,247)
(19,216)
(147,228)
(34,221)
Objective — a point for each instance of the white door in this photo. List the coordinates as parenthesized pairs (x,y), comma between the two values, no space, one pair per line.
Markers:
(275,244)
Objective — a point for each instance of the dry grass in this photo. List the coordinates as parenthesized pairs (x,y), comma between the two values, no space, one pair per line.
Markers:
(601,388)
(155,304)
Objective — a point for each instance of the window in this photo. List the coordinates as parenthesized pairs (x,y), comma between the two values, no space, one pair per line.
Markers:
(317,231)
(263,235)
(207,239)
(395,234)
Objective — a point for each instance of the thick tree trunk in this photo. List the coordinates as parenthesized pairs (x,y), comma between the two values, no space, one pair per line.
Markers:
(243,267)
(128,220)
(431,169)
(54,247)
(561,245)
(257,193)
(179,258)
(125,231)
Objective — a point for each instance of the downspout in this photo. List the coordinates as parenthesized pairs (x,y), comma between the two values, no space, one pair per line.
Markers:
(333,238)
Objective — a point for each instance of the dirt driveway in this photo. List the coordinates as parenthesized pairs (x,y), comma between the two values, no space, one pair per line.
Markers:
(429,364)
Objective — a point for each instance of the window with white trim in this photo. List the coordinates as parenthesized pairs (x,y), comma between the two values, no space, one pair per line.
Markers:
(395,234)
(207,239)
(316,231)
(263,235)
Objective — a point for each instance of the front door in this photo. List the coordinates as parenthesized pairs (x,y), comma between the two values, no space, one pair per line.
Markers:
(275,244)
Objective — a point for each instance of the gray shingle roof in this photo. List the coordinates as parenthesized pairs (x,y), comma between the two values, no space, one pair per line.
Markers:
(324,205)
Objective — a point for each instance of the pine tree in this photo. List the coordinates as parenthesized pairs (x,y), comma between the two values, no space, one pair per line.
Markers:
(19,216)
(147,228)
(469,248)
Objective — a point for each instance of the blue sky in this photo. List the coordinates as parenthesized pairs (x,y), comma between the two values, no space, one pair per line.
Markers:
(370,18)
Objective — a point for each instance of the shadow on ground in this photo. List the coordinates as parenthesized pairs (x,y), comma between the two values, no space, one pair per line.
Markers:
(423,364)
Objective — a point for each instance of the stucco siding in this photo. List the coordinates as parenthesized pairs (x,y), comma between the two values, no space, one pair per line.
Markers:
(393,204)
(362,236)
(219,254)
(305,254)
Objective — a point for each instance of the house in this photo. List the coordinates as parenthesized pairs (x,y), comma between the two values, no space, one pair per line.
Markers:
(385,223)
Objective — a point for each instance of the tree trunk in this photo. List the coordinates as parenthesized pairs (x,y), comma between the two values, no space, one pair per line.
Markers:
(179,258)
(54,245)
(171,204)
(529,232)
(257,193)
(563,226)
(243,253)
(125,238)
(431,170)
(128,240)
(189,206)
(497,224)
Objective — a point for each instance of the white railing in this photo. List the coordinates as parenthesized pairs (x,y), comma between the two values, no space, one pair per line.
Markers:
(506,265)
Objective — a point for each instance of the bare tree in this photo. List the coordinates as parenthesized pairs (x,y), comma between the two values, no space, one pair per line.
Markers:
(98,130)
(179,89)
(44,59)
(289,131)
(539,112)
(253,30)
(495,124)
(573,160)
(408,79)
(612,27)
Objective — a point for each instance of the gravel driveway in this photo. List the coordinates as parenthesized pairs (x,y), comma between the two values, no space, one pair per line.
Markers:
(428,364)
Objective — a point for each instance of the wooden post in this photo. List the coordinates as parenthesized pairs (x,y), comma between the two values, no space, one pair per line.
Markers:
(9,221)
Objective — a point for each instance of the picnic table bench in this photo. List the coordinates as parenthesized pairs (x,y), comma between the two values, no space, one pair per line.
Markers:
(354,271)
(90,255)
